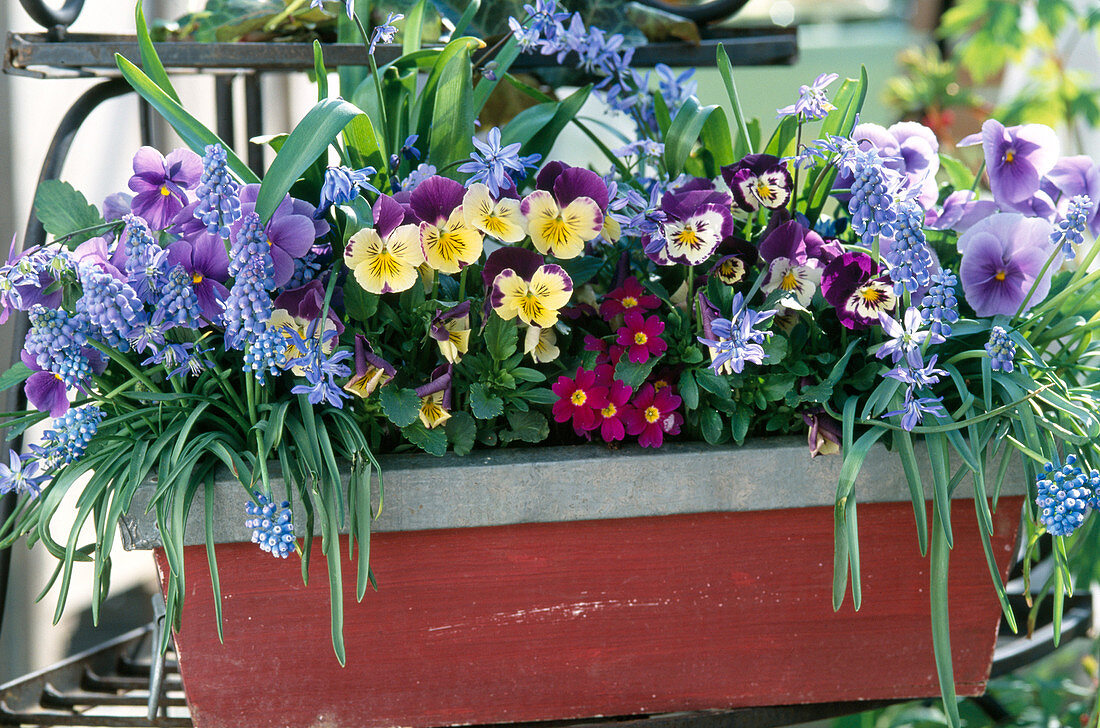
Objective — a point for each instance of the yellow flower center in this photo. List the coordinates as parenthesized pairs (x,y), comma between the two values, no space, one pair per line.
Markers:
(652,414)
(688,237)
(629,302)
(384,266)
(578,398)
(640,338)
(556,231)
(196,278)
(789,282)
(164,191)
(609,411)
(531,306)
(764,191)
(448,245)
(494,225)
(870,295)
(1001,275)
(1010,155)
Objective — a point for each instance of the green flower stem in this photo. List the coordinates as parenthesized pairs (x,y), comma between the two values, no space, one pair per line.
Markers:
(126,364)
(1030,293)
(797,170)
(462,284)
(91,229)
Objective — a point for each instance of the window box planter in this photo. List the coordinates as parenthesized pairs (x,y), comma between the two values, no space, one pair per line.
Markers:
(567,583)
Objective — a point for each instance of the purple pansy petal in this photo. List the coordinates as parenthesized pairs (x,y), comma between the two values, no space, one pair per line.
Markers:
(211,294)
(292,233)
(388,215)
(579,182)
(786,241)
(148,161)
(520,260)
(435,198)
(1002,257)
(549,174)
(282,266)
(184,167)
(47,393)
(116,206)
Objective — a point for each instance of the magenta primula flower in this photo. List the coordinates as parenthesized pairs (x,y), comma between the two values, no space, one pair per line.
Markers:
(652,415)
(628,297)
(1002,257)
(641,337)
(579,399)
(852,286)
(161,184)
(613,415)
(759,180)
(696,221)
(1016,158)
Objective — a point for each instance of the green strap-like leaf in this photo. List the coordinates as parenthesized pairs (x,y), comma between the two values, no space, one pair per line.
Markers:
(686,128)
(150,61)
(453,113)
(414,23)
(904,442)
(193,133)
(941,626)
(306,143)
(744,140)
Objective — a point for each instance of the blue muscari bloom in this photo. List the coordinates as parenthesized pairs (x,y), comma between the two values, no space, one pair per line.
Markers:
(266,353)
(939,308)
(492,165)
(248,306)
(320,369)
(1070,231)
(181,359)
(55,341)
(179,303)
(136,237)
(910,258)
(384,33)
(1063,497)
(219,195)
(1001,350)
(109,307)
(872,205)
(146,262)
(21,475)
(271,524)
(342,185)
(306,268)
(69,436)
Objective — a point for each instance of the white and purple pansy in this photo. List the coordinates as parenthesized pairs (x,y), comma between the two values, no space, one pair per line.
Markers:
(696,221)
(759,180)
(852,286)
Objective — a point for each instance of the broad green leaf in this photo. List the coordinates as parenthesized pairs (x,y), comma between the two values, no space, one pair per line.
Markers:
(150,61)
(685,130)
(306,143)
(366,148)
(319,71)
(453,113)
(689,390)
(958,174)
(710,423)
(423,108)
(431,441)
(63,210)
(526,426)
(484,406)
(18,374)
(461,432)
(632,374)
(414,24)
(783,140)
(402,406)
(567,109)
(467,17)
(500,337)
(193,133)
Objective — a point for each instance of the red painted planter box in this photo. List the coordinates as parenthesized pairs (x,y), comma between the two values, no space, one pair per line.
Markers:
(578,619)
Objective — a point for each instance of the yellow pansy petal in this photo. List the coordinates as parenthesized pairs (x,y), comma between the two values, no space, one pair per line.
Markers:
(361,246)
(509,289)
(404,244)
(612,230)
(552,285)
(452,247)
(432,413)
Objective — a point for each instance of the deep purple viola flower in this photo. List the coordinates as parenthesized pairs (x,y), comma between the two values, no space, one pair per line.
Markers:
(851,285)
(1016,158)
(961,210)
(161,184)
(45,390)
(435,199)
(206,261)
(824,436)
(759,180)
(1002,257)
(290,232)
(21,292)
(793,241)
(307,302)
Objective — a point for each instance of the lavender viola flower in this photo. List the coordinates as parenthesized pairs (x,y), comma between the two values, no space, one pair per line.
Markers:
(736,340)
(1002,257)
(384,33)
(342,185)
(1079,175)
(852,286)
(161,184)
(205,260)
(21,475)
(812,102)
(1070,230)
(492,164)
(906,338)
(219,203)
(759,180)
(909,149)
(961,210)
(1016,158)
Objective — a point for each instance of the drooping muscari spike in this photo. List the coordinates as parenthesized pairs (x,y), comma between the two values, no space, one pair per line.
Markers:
(271,524)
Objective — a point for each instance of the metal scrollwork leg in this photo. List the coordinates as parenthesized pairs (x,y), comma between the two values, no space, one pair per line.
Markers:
(54,20)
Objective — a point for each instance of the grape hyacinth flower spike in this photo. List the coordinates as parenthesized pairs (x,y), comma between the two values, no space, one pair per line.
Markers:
(271,524)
